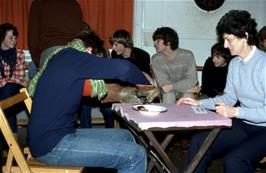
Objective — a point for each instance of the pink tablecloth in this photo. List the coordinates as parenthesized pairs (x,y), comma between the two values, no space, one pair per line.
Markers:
(176,116)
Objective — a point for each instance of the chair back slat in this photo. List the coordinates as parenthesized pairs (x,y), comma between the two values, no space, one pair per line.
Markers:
(13,100)
(8,134)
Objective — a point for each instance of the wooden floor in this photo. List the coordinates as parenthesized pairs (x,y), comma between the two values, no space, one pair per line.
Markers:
(175,151)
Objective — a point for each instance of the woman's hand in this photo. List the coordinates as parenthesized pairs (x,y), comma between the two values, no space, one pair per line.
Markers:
(226,110)
(188,100)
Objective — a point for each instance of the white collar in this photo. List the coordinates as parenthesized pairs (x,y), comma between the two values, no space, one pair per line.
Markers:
(254,48)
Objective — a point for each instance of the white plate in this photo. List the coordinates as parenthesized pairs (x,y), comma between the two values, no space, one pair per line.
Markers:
(150,110)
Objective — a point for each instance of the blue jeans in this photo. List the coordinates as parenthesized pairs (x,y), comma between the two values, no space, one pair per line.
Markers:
(6,91)
(108,148)
(243,146)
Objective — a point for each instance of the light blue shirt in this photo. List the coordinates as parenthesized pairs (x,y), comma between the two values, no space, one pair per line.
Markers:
(246,82)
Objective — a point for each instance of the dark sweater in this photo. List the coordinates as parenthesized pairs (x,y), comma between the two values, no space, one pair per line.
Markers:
(59,91)
(138,57)
(213,79)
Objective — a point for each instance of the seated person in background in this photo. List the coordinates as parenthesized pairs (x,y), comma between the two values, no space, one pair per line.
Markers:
(12,68)
(262,38)
(57,90)
(12,73)
(123,48)
(215,71)
(174,67)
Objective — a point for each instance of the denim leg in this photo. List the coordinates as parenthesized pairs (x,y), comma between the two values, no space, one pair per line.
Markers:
(6,91)
(225,141)
(107,115)
(108,148)
(195,143)
(244,157)
(84,113)
(32,69)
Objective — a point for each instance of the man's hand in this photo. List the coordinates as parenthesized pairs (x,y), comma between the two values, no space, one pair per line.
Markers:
(195,89)
(167,87)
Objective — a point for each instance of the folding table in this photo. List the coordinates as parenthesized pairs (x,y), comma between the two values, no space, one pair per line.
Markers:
(176,118)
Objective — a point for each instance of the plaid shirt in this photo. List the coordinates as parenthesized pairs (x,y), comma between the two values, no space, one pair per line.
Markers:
(19,71)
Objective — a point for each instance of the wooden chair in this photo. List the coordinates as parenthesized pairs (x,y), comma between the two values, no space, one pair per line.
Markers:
(29,164)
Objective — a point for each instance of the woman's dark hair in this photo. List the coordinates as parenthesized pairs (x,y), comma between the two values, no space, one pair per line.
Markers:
(123,37)
(168,35)
(238,23)
(7,27)
(218,49)
(262,37)
(7,56)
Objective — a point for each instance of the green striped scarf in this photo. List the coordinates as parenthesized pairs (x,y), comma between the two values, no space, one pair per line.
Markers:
(98,86)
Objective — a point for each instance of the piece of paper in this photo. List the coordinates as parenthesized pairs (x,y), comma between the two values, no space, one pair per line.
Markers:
(199,110)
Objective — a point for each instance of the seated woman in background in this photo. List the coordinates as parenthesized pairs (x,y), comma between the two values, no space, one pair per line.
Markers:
(262,38)
(12,67)
(12,72)
(215,71)
(123,48)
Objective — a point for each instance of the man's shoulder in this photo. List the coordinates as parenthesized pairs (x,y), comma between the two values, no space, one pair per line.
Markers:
(157,57)
(184,51)
(139,50)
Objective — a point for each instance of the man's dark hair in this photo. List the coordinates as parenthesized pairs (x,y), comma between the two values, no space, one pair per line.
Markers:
(123,37)
(261,37)
(91,39)
(238,23)
(168,35)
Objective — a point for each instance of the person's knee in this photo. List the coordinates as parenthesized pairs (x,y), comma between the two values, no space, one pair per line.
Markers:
(140,155)
(234,163)
(127,135)
(10,89)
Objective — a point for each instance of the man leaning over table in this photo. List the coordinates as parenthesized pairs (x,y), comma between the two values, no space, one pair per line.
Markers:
(57,90)
(243,145)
